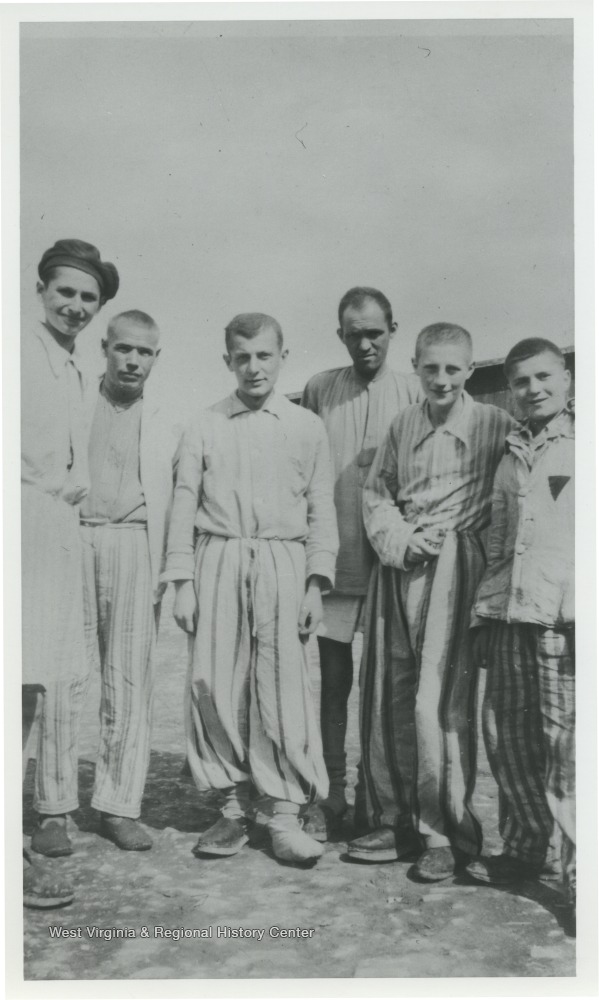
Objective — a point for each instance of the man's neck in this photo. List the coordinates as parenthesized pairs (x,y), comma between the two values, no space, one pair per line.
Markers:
(63,340)
(117,398)
(440,417)
(370,377)
(252,403)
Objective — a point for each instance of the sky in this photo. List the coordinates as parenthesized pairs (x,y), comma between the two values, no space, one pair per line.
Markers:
(227,167)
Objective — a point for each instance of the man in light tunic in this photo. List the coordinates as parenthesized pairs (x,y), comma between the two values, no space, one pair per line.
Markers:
(356,403)
(73,285)
(252,545)
(124,521)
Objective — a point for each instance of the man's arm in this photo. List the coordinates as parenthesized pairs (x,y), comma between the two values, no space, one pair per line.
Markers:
(322,543)
(180,549)
(388,532)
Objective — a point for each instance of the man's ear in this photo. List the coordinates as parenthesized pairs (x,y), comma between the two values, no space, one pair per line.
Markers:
(104,345)
(415,364)
(471,368)
(39,287)
(284,355)
(227,360)
(393,329)
(340,335)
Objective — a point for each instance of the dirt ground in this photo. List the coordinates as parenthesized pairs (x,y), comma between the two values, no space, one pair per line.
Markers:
(367,920)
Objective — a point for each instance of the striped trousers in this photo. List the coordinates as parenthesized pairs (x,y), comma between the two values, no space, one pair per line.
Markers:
(249,707)
(418,691)
(120,637)
(529,717)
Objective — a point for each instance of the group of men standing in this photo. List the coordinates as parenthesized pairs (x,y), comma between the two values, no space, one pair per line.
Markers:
(360,510)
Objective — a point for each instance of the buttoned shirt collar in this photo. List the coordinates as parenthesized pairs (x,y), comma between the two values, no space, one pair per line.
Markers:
(561,425)
(457,423)
(57,355)
(273,405)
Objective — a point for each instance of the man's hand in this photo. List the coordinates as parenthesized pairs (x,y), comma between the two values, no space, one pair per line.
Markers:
(422,547)
(480,645)
(310,615)
(186,606)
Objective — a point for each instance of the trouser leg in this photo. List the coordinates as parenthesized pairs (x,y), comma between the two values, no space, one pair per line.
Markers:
(514,741)
(437,599)
(31,699)
(336,671)
(127,635)
(556,667)
(57,758)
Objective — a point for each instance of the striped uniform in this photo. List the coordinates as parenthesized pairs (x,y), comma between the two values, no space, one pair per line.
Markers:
(418,684)
(526,599)
(120,629)
(123,530)
(256,488)
(54,478)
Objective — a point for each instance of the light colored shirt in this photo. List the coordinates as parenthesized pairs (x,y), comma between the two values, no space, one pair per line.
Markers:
(116,492)
(254,474)
(425,476)
(53,441)
(356,414)
(530,571)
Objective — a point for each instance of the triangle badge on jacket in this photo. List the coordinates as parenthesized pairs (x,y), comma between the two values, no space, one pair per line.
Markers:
(556,484)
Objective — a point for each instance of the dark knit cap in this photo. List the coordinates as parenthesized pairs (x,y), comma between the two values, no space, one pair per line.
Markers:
(84,257)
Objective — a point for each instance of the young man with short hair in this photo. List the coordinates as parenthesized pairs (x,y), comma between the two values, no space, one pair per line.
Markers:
(252,545)
(356,403)
(426,501)
(524,624)
(124,521)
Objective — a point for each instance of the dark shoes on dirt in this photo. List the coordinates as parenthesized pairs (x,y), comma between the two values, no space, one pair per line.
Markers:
(439,863)
(383,844)
(223,839)
(50,838)
(41,891)
(126,833)
(500,869)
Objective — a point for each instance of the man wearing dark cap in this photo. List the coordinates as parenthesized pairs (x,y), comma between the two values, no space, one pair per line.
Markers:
(73,285)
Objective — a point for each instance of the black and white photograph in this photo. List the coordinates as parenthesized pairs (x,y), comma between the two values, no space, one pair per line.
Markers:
(300,294)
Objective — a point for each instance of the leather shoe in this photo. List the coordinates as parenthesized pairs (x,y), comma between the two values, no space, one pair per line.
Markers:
(126,833)
(500,869)
(438,863)
(223,839)
(51,839)
(382,844)
(41,891)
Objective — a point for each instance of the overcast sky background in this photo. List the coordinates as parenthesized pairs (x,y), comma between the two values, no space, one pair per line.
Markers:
(228,167)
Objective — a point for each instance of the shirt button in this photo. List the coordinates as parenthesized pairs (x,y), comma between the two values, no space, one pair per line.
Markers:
(523,492)
(520,549)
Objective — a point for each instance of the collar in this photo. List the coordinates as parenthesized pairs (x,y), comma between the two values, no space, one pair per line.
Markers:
(382,372)
(458,423)
(57,356)
(274,404)
(561,425)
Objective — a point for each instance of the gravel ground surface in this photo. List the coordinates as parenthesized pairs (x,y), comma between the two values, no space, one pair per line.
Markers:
(367,920)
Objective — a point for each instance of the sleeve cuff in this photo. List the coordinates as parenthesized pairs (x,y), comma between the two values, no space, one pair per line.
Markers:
(322,565)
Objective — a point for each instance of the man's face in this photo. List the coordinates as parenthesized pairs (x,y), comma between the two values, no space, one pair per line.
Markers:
(130,352)
(540,387)
(256,364)
(70,299)
(366,334)
(443,370)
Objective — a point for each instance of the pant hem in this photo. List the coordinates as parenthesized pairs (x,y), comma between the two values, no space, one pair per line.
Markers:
(116,809)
